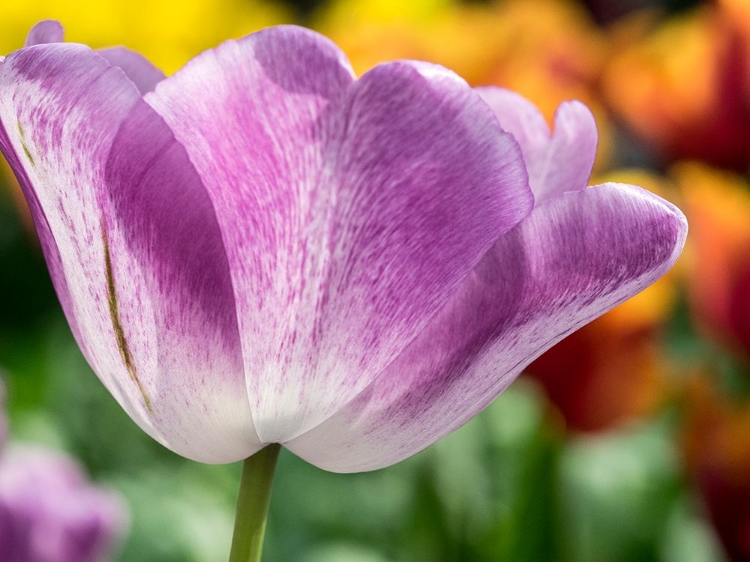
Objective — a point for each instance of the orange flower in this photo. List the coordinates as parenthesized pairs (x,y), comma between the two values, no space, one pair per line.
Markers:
(603,375)
(684,87)
(459,36)
(717,204)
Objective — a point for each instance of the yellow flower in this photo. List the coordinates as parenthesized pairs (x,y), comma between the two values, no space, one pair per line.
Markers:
(168,33)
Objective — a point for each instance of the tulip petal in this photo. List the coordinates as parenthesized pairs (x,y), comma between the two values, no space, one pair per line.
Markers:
(47,31)
(137,67)
(133,250)
(520,118)
(557,162)
(350,212)
(574,258)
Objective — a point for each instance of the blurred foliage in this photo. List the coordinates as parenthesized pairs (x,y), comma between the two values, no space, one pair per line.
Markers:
(631,438)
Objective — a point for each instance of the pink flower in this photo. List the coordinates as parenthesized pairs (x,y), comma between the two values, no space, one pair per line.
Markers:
(263,249)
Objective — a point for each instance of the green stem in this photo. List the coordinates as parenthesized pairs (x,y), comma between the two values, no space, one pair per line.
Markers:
(252,505)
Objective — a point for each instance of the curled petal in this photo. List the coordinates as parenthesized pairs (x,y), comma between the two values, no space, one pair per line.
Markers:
(130,289)
(557,161)
(137,67)
(330,196)
(143,74)
(573,259)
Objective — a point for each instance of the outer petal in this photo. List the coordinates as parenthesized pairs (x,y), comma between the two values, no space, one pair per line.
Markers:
(133,256)
(350,213)
(573,259)
(557,162)
(137,67)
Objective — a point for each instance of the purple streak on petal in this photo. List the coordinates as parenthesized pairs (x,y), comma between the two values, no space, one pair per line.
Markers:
(331,198)
(557,161)
(33,82)
(248,115)
(46,239)
(61,107)
(143,74)
(574,258)
(426,184)
(49,512)
(164,226)
(47,31)
(137,67)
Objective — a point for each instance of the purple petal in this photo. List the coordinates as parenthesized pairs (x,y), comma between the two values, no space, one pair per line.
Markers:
(350,213)
(557,162)
(132,264)
(573,259)
(137,67)
(520,118)
(47,31)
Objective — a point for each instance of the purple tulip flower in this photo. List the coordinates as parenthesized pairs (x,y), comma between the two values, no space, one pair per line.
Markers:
(264,249)
(50,513)
(48,510)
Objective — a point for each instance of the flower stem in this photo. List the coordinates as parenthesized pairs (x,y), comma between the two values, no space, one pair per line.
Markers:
(252,505)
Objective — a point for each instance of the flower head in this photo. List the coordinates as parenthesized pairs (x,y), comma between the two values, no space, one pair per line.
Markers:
(264,249)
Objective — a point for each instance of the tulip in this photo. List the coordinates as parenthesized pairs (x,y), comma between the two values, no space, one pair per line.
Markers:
(263,250)
(50,513)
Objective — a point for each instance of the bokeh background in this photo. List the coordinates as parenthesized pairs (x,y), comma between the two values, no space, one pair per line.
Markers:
(628,442)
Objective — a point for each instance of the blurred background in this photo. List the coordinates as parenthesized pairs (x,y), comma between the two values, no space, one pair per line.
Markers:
(629,441)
